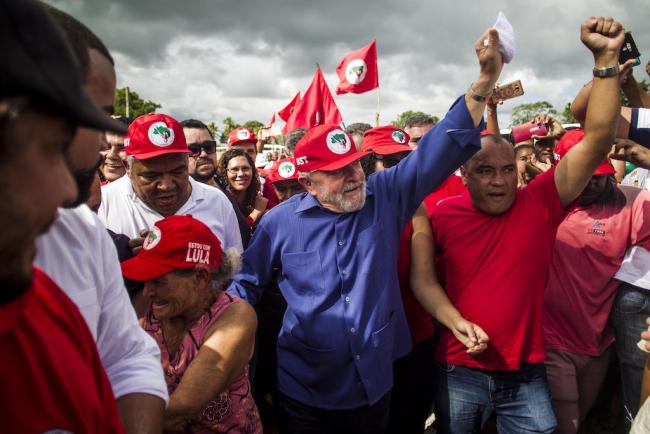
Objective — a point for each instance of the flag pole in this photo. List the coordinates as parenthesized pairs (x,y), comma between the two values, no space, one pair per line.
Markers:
(377,114)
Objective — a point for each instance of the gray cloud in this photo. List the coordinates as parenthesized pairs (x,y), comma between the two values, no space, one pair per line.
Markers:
(246,59)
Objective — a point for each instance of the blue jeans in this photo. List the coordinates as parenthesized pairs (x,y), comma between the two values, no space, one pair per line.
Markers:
(467,397)
(631,308)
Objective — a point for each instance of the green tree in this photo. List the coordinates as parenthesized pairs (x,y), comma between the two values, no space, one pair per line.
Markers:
(525,112)
(402,117)
(254,125)
(137,105)
(643,84)
(214,128)
(567,117)
(228,125)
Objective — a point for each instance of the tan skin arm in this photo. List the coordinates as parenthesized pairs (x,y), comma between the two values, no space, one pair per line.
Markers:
(492,121)
(429,292)
(491,64)
(604,37)
(221,359)
(141,413)
(634,93)
(645,385)
(628,150)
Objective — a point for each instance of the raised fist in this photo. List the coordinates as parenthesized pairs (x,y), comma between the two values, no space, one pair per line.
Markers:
(603,36)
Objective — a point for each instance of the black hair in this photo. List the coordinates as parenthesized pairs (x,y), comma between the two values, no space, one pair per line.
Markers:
(195,124)
(80,38)
(358,128)
(416,120)
(253,189)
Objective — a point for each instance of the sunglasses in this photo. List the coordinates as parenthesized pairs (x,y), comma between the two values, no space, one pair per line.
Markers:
(209,146)
(392,159)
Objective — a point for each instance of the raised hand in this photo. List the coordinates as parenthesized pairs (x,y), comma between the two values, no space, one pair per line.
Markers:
(489,58)
(603,36)
(628,150)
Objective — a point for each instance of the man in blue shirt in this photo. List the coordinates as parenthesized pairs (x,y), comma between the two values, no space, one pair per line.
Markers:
(333,252)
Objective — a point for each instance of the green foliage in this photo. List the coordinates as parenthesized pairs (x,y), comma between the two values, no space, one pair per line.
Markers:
(213,127)
(401,118)
(254,125)
(643,84)
(137,106)
(567,117)
(228,125)
(525,112)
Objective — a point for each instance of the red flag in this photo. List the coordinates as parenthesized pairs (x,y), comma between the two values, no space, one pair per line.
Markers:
(317,107)
(358,70)
(285,113)
(272,121)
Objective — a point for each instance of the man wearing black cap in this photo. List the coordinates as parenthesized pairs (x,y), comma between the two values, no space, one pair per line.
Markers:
(79,255)
(54,380)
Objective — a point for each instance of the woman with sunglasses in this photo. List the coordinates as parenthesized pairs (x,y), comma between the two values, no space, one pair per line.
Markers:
(238,171)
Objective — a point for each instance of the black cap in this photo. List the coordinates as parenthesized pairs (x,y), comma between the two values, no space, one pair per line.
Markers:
(39,63)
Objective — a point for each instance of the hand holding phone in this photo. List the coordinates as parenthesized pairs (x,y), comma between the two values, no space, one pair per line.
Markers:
(508,91)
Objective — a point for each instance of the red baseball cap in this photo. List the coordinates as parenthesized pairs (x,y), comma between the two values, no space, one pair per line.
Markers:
(568,141)
(153,135)
(176,242)
(326,147)
(284,171)
(241,135)
(386,140)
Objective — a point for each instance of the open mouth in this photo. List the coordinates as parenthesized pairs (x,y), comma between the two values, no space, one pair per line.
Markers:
(497,197)
(166,200)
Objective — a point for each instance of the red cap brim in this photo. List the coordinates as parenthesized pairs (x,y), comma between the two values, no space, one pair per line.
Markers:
(348,159)
(147,155)
(390,149)
(142,270)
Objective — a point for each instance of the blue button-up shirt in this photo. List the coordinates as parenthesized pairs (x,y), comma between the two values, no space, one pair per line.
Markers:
(345,324)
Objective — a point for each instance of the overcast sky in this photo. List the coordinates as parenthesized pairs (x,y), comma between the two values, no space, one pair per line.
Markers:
(209,59)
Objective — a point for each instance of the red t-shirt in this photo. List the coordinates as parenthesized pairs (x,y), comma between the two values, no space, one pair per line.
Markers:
(496,270)
(589,249)
(52,377)
(419,320)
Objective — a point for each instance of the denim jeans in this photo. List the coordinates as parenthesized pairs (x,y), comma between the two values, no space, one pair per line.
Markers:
(631,308)
(467,397)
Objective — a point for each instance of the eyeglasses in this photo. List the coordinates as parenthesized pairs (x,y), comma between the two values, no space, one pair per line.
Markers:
(209,146)
(392,159)
(242,169)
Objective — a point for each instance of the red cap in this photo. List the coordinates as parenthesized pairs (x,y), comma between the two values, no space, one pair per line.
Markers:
(241,135)
(176,242)
(153,135)
(568,140)
(386,140)
(326,147)
(283,171)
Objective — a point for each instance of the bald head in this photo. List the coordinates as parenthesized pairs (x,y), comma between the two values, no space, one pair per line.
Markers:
(492,146)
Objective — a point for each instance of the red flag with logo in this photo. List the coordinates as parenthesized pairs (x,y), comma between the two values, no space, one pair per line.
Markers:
(317,107)
(285,113)
(358,70)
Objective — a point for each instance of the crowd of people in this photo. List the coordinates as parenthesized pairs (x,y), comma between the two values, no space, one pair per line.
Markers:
(358,282)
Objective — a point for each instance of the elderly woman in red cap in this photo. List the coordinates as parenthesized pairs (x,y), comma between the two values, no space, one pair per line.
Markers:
(205,335)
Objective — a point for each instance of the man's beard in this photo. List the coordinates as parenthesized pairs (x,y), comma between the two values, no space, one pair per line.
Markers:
(84,180)
(202,178)
(340,201)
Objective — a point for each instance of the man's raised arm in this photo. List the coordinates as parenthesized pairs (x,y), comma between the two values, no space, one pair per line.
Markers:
(603,37)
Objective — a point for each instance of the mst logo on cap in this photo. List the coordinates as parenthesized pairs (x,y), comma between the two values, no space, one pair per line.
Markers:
(398,136)
(153,238)
(286,169)
(356,71)
(338,142)
(160,134)
(243,134)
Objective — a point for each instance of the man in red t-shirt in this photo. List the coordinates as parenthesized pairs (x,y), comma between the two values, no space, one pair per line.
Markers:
(53,378)
(493,239)
(589,249)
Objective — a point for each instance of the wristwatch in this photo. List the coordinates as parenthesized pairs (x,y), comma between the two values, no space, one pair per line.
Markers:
(606,72)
